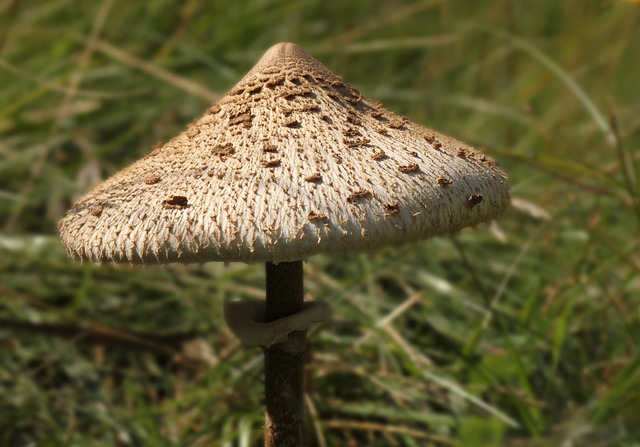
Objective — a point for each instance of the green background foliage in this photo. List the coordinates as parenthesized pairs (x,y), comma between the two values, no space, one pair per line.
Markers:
(519,333)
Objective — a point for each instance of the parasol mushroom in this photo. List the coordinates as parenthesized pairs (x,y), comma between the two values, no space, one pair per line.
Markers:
(291,162)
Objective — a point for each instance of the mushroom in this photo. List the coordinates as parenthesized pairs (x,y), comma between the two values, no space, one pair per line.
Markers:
(292,162)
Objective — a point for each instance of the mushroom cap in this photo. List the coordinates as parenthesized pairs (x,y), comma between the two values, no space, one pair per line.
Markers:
(291,162)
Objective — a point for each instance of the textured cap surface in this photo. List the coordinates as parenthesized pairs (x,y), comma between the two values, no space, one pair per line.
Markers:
(291,162)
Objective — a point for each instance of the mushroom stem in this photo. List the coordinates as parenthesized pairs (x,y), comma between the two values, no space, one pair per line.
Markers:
(284,362)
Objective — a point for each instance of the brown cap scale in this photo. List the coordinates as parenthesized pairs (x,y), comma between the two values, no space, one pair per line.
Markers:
(291,162)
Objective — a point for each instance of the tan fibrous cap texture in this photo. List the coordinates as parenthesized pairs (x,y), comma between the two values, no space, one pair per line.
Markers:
(291,162)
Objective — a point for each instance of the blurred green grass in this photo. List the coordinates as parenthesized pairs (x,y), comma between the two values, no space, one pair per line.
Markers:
(523,333)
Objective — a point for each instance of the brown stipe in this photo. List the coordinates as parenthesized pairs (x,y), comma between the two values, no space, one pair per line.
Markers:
(285,361)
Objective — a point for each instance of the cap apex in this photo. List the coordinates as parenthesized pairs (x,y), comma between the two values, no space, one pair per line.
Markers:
(282,51)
